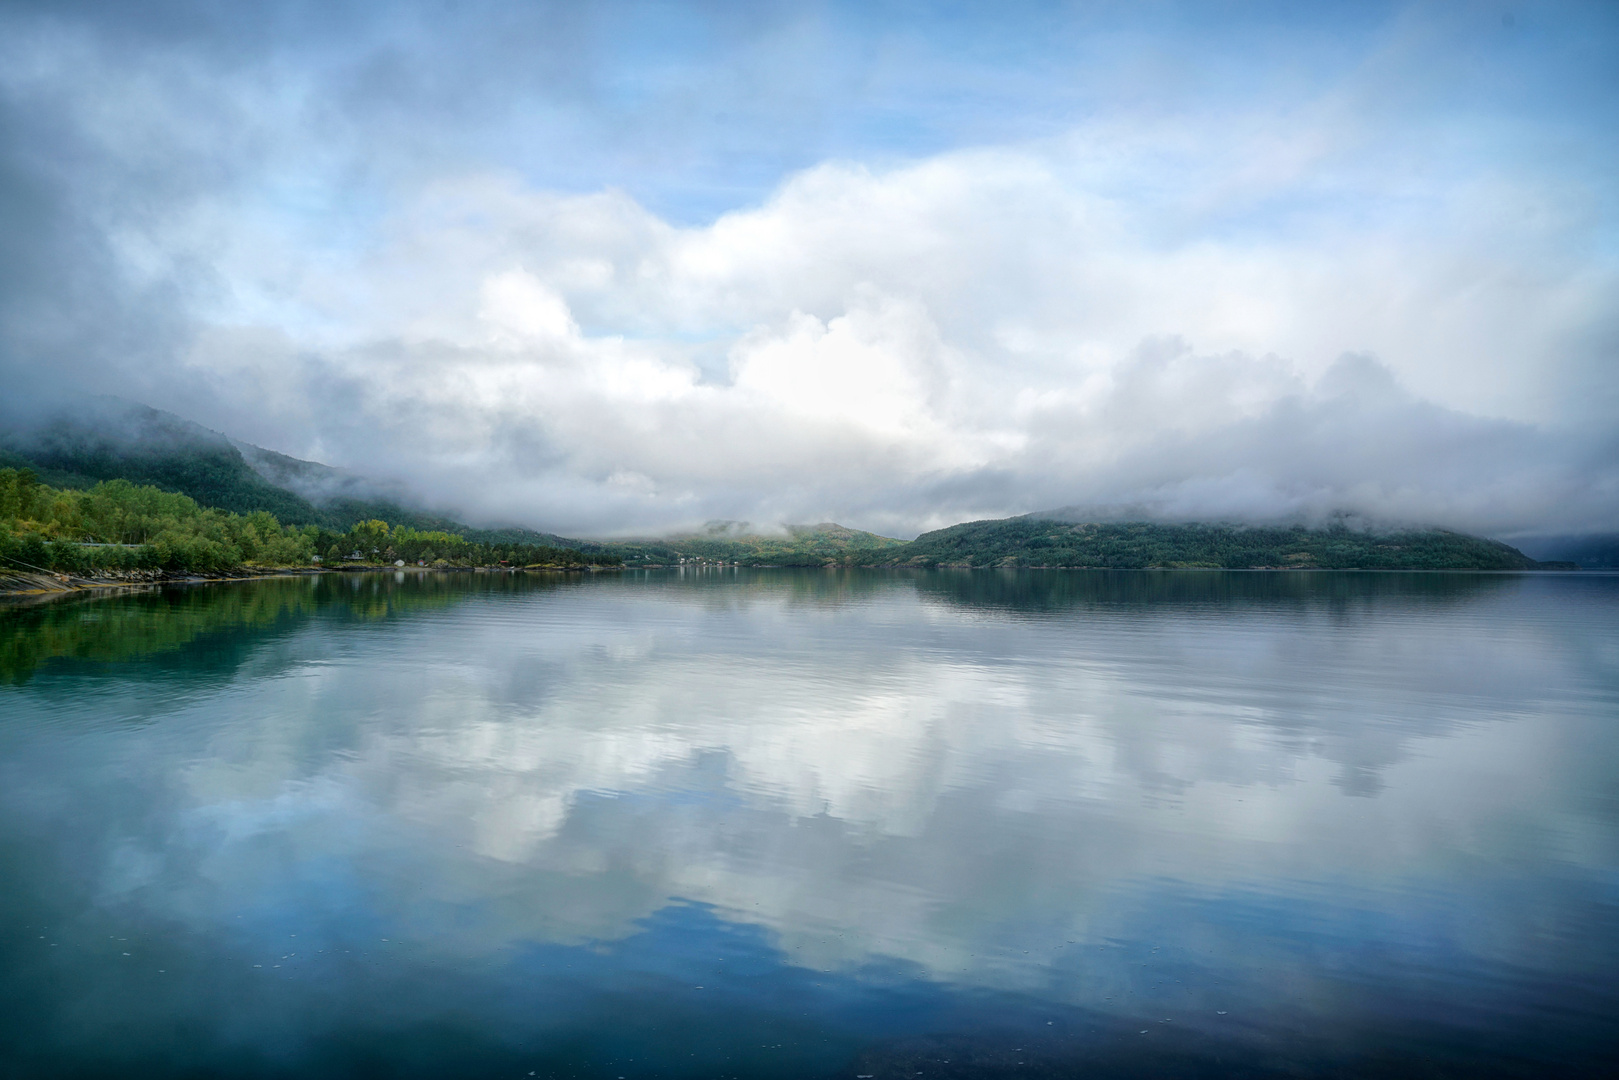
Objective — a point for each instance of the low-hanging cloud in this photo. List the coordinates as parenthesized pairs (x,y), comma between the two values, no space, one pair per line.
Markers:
(1231,308)
(900,350)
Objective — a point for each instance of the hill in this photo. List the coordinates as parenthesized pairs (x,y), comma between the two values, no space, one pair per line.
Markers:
(1046,540)
(110,439)
(113,440)
(1050,540)
(1591,551)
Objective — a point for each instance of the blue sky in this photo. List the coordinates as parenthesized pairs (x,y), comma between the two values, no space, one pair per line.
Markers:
(699,109)
(893,264)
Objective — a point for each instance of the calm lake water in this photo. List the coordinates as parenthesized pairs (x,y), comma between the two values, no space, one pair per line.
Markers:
(814,824)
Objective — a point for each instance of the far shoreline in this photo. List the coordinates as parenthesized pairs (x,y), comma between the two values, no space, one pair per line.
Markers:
(22,588)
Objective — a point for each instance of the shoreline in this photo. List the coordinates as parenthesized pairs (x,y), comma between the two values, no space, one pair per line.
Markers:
(32,585)
(50,584)
(45,585)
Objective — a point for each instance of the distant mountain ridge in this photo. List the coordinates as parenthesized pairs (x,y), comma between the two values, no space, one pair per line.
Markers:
(1592,551)
(729,542)
(1052,540)
(1049,540)
(109,439)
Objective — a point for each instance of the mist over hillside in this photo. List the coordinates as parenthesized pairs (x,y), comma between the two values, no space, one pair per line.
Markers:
(76,444)
(105,438)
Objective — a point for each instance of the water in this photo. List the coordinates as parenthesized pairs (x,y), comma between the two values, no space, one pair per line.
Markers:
(814,824)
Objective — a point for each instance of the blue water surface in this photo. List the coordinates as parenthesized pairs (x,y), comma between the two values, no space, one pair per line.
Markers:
(814,824)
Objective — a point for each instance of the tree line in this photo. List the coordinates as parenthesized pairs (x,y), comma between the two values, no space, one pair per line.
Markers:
(117,525)
(374,541)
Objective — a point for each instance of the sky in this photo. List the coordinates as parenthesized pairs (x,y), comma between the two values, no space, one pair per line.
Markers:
(618,269)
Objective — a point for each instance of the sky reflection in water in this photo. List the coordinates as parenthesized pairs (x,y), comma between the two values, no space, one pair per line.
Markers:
(824,824)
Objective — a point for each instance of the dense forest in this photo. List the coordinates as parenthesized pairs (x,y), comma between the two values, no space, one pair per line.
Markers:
(375,541)
(117,525)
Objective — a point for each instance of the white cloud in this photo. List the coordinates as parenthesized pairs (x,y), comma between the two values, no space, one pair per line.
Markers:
(1111,268)
(522,310)
(979,333)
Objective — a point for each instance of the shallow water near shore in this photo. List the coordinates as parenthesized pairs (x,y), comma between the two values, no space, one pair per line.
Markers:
(814,824)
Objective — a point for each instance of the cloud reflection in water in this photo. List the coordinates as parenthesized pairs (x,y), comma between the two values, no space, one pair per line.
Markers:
(1316,795)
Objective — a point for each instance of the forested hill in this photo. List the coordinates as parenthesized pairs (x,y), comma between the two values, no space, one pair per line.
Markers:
(119,441)
(110,439)
(1046,541)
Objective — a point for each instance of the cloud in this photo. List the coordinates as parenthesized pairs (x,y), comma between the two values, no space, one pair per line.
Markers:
(1382,285)
(971,335)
